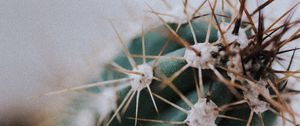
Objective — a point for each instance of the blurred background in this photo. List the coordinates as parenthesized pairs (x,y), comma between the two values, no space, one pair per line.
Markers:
(47,45)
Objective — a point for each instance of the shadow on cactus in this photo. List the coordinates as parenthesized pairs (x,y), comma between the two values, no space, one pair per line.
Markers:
(200,73)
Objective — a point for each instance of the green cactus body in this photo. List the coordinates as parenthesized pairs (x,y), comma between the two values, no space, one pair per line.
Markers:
(185,82)
(174,75)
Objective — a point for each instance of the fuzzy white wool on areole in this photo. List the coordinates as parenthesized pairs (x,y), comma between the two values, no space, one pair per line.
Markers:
(203,113)
(139,82)
(206,50)
(241,38)
(235,63)
(237,42)
(252,95)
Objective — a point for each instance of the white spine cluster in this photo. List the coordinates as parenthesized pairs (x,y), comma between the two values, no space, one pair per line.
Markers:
(252,93)
(235,62)
(203,113)
(139,82)
(238,42)
(207,52)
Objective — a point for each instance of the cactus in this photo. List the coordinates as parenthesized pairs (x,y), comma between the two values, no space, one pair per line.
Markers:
(190,73)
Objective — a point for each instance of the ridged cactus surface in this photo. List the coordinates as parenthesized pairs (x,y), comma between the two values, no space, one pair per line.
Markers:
(186,82)
(210,70)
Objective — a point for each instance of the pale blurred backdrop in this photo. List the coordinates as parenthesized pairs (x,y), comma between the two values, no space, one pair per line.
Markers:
(51,44)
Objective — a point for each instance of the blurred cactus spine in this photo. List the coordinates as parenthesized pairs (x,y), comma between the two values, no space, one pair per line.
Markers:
(206,70)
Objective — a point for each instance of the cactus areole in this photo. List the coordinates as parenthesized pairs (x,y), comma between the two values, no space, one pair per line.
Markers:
(203,113)
(143,79)
(235,84)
